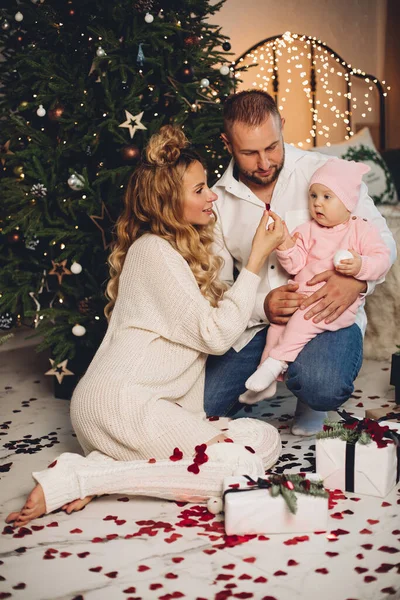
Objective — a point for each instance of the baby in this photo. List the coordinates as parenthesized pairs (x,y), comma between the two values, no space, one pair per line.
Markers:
(333,195)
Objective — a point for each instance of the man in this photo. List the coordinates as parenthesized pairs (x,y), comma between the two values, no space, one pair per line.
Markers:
(265,170)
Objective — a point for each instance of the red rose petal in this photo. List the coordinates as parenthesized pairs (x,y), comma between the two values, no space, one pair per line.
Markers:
(155,586)
(360,570)
(244,576)
(228,440)
(323,571)
(280,573)
(75,530)
(385,568)
(332,554)
(244,595)
(250,559)
(250,449)
(53,464)
(261,579)
(178,559)
(360,556)
(367,546)
(372,521)
(83,554)
(37,527)
(388,590)
(111,574)
(171,576)
(152,461)
(292,563)
(65,554)
(52,524)
(130,590)
(19,586)
(337,515)
(369,578)
(142,568)
(340,532)
(97,540)
(230,566)
(386,504)
(96,569)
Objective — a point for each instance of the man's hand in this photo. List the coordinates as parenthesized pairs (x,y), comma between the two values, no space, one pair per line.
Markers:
(282,302)
(338,293)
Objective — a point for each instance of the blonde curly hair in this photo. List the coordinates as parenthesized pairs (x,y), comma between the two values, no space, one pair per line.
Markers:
(154,204)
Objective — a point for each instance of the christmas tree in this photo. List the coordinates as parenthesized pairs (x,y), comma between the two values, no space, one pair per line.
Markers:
(84,85)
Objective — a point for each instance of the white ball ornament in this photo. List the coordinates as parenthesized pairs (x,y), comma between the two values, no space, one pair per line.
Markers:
(76,268)
(100,52)
(224,70)
(149,18)
(41,111)
(76,182)
(341,255)
(78,330)
(205,82)
(19,16)
(214,505)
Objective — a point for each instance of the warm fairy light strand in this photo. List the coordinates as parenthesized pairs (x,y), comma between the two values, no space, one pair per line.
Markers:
(298,49)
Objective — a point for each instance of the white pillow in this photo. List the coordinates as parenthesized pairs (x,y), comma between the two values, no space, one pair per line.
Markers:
(360,148)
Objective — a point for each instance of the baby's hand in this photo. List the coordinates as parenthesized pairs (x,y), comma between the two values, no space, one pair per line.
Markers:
(350,266)
(289,241)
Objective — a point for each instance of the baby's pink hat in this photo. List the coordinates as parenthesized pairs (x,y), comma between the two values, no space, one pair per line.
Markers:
(343,177)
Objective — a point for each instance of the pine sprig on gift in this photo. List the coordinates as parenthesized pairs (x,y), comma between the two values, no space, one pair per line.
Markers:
(333,429)
(289,485)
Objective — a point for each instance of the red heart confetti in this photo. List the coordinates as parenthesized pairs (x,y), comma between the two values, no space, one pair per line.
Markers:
(177,455)
(152,461)
(194,469)
(389,549)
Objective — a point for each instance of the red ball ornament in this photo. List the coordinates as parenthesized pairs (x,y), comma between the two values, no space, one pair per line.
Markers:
(191,40)
(130,154)
(55,113)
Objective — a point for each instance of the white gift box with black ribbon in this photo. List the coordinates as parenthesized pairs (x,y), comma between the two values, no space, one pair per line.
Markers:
(251,508)
(360,468)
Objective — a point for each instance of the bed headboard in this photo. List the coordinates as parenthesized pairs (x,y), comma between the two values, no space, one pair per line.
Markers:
(320,62)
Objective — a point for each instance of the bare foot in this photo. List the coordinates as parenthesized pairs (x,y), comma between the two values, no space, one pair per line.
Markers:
(34,507)
(77,504)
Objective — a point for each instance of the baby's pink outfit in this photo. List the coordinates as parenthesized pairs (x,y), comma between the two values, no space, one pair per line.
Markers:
(312,254)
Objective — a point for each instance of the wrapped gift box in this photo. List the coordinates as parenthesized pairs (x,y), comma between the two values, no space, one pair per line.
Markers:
(250,509)
(391,413)
(360,468)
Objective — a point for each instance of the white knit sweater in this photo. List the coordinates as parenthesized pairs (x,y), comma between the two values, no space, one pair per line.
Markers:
(142,395)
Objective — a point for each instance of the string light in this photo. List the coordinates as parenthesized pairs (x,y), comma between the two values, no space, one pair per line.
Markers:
(287,56)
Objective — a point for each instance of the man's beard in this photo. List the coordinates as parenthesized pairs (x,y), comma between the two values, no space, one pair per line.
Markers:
(276,169)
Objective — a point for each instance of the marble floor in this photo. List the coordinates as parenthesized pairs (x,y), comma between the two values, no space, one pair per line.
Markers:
(140,548)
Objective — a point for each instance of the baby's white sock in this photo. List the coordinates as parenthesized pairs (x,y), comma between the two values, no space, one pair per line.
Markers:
(250,397)
(307,421)
(266,374)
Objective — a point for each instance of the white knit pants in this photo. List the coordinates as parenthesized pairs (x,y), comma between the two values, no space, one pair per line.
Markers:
(75,476)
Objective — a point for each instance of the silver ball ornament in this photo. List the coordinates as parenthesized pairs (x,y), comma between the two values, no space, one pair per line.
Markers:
(5,25)
(76,268)
(78,330)
(41,111)
(149,18)
(214,505)
(204,82)
(76,182)
(224,70)
(18,16)
(100,52)
(341,255)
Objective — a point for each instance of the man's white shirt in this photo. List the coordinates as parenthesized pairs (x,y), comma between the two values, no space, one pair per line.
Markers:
(239,211)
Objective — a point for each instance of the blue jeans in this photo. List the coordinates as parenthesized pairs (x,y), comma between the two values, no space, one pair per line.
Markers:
(322,375)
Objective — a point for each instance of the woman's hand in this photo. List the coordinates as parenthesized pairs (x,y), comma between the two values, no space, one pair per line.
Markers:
(266,239)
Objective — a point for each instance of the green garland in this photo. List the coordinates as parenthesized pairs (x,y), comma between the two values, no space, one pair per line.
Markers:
(337,430)
(301,485)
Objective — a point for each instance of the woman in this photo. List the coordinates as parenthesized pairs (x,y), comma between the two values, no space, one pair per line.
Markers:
(138,411)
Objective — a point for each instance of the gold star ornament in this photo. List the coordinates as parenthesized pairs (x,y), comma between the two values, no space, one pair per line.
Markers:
(133,122)
(60,270)
(60,371)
